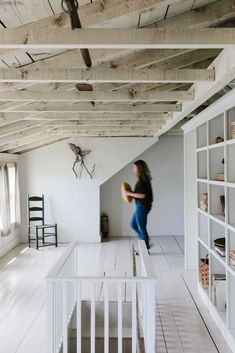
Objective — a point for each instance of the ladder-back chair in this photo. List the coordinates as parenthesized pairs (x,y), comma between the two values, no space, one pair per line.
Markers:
(38,231)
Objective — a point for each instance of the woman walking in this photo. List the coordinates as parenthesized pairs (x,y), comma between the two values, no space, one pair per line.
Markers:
(143,196)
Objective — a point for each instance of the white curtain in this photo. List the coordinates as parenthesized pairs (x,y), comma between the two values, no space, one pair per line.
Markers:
(17,197)
(9,198)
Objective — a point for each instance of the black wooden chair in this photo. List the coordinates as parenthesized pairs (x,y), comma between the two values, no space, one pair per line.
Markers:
(38,231)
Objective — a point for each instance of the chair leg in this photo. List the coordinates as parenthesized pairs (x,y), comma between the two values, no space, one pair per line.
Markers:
(29,238)
(56,239)
(37,238)
(43,238)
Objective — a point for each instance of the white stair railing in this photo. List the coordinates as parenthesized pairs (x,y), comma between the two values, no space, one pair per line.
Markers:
(64,298)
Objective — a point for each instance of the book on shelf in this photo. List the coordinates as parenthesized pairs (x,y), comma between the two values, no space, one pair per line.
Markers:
(220,177)
(233,129)
(219,291)
(232,257)
(220,251)
(232,261)
(232,253)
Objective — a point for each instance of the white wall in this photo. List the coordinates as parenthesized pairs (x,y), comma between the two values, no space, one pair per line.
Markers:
(74,203)
(165,159)
(11,240)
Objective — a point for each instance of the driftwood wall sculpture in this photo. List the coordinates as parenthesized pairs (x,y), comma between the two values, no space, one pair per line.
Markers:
(80,156)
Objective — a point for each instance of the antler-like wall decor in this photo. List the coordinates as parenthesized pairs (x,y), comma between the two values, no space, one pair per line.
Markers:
(80,155)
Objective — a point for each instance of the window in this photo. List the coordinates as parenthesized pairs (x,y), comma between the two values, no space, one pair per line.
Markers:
(9,197)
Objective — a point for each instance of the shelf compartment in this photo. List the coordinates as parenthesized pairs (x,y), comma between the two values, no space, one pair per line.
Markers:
(202,136)
(216,129)
(203,228)
(231,206)
(231,124)
(203,196)
(216,202)
(231,308)
(216,182)
(231,164)
(231,248)
(217,231)
(202,164)
(216,166)
(216,145)
(218,286)
(204,268)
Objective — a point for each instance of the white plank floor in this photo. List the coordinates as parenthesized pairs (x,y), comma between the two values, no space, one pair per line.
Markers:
(180,327)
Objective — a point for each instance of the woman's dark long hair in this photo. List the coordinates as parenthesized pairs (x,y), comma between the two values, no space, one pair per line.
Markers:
(143,171)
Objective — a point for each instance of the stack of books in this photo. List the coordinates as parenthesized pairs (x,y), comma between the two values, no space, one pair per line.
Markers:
(232,257)
(233,130)
(204,202)
(220,177)
(219,245)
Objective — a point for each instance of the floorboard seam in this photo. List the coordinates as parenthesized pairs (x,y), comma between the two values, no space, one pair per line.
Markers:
(201,316)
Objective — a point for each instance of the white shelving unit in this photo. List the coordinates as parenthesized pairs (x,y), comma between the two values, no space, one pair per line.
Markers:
(216,222)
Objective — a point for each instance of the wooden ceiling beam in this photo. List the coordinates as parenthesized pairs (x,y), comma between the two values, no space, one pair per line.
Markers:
(105,123)
(18,126)
(100,128)
(60,137)
(51,107)
(102,96)
(17,135)
(7,118)
(103,12)
(106,76)
(33,137)
(55,136)
(40,143)
(92,119)
(205,16)
(118,38)
(105,131)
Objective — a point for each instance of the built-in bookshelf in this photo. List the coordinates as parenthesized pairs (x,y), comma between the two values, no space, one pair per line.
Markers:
(216,218)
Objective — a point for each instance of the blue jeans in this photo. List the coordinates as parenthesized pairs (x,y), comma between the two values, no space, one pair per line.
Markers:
(139,223)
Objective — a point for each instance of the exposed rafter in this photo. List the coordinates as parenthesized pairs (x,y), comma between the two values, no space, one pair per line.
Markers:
(141,76)
(117,38)
(106,76)
(72,107)
(105,13)
(40,143)
(104,119)
(6,118)
(225,72)
(209,15)
(153,123)
(18,127)
(105,96)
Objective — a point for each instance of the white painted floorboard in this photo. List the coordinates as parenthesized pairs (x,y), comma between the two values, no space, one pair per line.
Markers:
(180,327)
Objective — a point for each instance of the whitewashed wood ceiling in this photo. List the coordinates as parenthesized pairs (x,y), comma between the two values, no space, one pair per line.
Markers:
(153,63)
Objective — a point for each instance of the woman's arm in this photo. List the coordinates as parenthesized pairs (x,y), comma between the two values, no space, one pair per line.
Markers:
(135,195)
